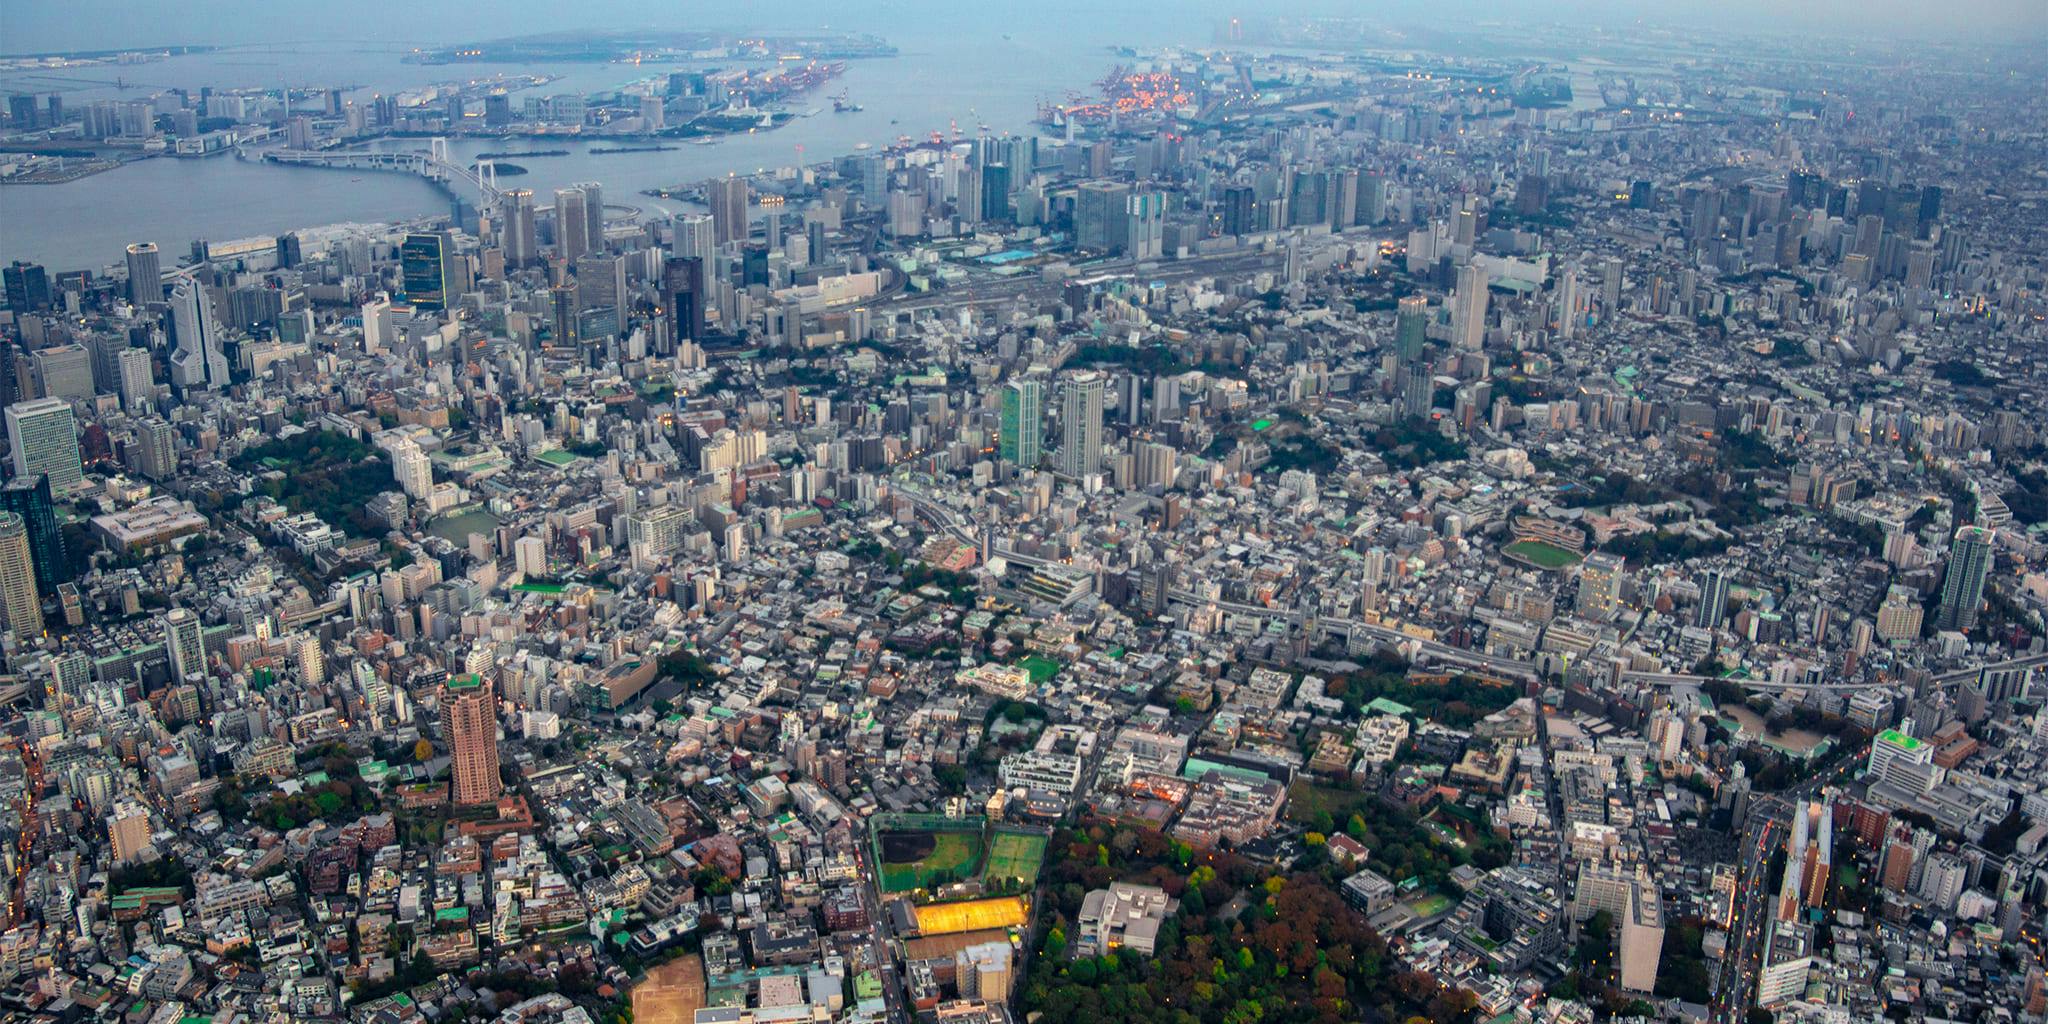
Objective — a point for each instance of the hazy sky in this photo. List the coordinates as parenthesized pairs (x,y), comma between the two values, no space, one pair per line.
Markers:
(29,26)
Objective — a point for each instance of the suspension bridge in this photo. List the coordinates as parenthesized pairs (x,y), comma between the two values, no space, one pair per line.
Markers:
(434,165)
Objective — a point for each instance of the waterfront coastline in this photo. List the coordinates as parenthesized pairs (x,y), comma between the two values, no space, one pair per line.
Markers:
(178,201)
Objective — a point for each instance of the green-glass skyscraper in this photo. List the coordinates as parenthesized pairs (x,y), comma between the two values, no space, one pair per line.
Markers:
(1962,589)
(1411,323)
(29,497)
(1022,429)
(426,260)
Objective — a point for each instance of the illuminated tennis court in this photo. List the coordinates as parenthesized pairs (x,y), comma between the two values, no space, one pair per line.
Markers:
(973,915)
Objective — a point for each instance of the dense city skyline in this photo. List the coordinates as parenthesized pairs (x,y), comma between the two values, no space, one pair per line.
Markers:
(910,514)
(40,26)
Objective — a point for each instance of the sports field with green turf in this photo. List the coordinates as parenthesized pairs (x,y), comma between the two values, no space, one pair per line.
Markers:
(922,860)
(1540,554)
(1012,855)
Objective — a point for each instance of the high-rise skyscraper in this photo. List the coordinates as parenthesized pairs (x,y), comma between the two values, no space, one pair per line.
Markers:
(601,281)
(1307,196)
(572,223)
(1240,210)
(1081,425)
(197,361)
(1568,299)
(184,645)
(425,261)
(1021,430)
(145,274)
(697,238)
(520,240)
(1600,585)
(19,600)
(1962,588)
(137,380)
(593,215)
(968,195)
(1165,398)
(105,348)
(727,198)
(874,179)
(1808,859)
(1468,316)
(43,434)
(564,320)
(682,295)
(1144,224)
(159,443)
(28,286)
(1411,325)
(1372,199)
(1415,389)
(1713,600)
(29,497)
(65,371)
(1100,209)
(469,722)
(128,831)
(995,192)
(412,469)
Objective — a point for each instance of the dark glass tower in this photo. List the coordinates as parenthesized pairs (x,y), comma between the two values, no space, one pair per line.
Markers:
(682,287)
(29,498)
(423,258)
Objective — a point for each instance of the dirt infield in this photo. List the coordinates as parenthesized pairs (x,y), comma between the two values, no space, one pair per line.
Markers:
(907,847)
(972,916)
(947,945)
(671,993)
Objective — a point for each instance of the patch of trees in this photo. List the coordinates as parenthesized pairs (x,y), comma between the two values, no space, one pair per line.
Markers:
(1658,548)
(1613,488)
(1401,845)
(1247,946)
(1015,712)
(1145,359)
(326,473)
(1457,703)
(1682,969)
(686,667)
(1742,449)
(959,586)
(2029,501)
(1962,374)
(418,971)
(333,801)
(1520,390)
(164,873)
(1412,444)
(1732,506)
(1304,452)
